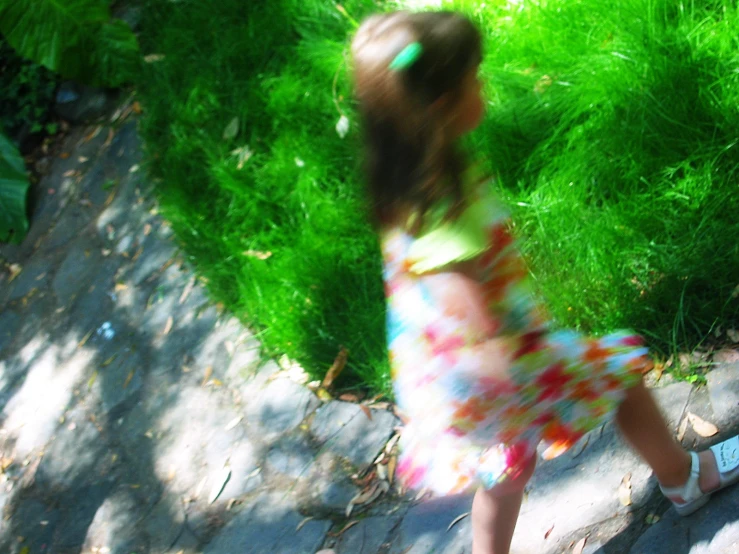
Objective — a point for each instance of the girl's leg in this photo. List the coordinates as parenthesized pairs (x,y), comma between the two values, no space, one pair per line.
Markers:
(495,512)
(644,428)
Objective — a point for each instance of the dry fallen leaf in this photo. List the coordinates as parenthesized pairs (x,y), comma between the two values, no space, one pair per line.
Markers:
(366,411)
(14,270)
(367,496)
(624,490)
(382,472)
(549,532)
(349,397)
(257,254)
(344,529)
(109,140)
(391,465)
(701,426)
(231,130)
(391,443)
(457,520)
(168,325)
(223,477)
(234,422)
(300,525)
(335,369)
(128,378)
(188,289)
(682,429)
(208,373)
(136,107)
(580,546)
(242,155)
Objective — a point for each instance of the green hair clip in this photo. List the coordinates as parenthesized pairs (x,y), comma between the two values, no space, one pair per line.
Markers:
(407,56)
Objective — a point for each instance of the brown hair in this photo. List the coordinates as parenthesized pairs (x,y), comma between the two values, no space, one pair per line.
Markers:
(409,160)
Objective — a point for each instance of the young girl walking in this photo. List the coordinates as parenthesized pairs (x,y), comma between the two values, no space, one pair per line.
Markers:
(478,370)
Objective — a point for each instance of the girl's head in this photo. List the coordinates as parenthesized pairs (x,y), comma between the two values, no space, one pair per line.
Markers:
(415,77)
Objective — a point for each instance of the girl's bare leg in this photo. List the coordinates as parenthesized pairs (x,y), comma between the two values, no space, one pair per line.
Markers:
(495,512)
(644,428)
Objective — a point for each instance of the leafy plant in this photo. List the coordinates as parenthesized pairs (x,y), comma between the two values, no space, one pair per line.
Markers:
(26,94)
(75,38)
(13,188)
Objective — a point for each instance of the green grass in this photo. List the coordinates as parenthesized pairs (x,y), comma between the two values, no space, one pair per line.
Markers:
(612,127)
(279,67)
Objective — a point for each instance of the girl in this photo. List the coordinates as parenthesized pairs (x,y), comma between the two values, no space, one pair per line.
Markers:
(480,373)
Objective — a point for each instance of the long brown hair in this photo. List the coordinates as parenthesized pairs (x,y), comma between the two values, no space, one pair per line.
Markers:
(409,160)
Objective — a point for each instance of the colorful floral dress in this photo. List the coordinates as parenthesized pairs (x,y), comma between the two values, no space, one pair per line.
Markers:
(478,372)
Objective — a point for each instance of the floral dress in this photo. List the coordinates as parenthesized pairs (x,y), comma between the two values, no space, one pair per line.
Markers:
(478,372)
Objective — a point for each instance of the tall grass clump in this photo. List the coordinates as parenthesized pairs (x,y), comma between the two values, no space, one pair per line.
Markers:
(613,128)
(264,195)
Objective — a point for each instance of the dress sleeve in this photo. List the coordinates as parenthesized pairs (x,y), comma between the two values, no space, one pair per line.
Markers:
(446,242)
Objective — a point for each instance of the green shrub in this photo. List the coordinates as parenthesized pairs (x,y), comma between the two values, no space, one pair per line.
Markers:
(75,38)
(26,94)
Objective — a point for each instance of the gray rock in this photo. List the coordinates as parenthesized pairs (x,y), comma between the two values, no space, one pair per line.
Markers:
(164,524)
(244,461)
(344,429)
(327,486)
(81,505)
(96,186)
(35,274)
(81,103)
(424,528)
(594,547)
(367,536)
(9,323)
(279,407)
(58,469)
(73,220)
(120,380)
(712,530)
(36,522)
(154,254)
(723,388)
(114,521)
(291,456)
(580,488)
(270,526)
(125,214)
(51,378)
(78,267)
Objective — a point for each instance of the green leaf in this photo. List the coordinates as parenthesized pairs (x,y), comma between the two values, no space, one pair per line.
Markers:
(13,187)
(75,38)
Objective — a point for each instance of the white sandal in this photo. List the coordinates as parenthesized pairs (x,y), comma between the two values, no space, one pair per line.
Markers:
(689,498)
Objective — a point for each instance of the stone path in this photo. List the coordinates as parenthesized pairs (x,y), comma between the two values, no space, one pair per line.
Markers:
(137,418)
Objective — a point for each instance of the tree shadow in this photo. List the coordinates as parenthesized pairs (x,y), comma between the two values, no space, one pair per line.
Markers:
(113,369)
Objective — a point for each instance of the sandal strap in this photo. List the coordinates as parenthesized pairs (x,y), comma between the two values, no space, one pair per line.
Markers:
(727,455)
(690,491)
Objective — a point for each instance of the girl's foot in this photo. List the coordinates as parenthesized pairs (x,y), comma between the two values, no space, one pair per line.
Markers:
(711,470)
